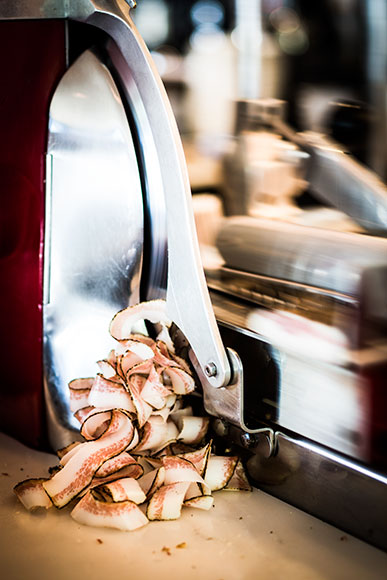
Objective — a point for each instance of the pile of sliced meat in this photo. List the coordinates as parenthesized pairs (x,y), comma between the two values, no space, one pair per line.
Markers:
(144,454)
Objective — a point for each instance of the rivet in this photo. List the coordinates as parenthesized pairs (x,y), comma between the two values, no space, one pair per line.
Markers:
(211,370)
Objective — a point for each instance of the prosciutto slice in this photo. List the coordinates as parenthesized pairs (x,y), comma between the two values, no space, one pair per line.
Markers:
(110,393)
(32,494)
(140,440)
(79,470)
(123,322)
(79,392)
(167,501)
(123,489)
(124,515)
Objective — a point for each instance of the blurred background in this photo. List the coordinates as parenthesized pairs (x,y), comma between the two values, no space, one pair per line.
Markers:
(326,60)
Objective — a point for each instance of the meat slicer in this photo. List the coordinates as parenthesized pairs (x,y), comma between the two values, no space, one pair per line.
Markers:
(96,208)
(96,215)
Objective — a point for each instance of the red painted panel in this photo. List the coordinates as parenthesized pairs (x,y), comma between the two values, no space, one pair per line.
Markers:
(32,60)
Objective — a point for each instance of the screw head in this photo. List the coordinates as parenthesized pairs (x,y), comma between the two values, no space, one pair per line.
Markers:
(248,440)
(132,3)
(210,369)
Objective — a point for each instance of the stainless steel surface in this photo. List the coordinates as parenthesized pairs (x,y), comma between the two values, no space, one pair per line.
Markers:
(94,229)
(351,264)
(228,402)
(188,303)
(339,179)
(343,182)
(154,281)
(319,391)
(324,484)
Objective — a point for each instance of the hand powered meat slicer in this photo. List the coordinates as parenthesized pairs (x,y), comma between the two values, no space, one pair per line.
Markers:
(96,215)
(96,203)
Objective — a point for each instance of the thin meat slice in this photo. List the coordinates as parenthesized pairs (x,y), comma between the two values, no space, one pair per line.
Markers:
(152,480)
(182,382)
(125,488)
(32,494)
(79,470)
(124,515)
(238,481)
(118,463)
(198,458)
(192,429)
(219,471)
(79,390)
(167,501)
(123,322)
(178,469)
(110,393)
(154,392)
(143,409)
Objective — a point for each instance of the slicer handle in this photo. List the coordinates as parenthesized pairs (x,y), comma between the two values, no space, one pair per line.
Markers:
(188,302)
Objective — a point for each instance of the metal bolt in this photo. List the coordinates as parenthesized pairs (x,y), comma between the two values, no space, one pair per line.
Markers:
(132,3)
(248,440)
(210,369)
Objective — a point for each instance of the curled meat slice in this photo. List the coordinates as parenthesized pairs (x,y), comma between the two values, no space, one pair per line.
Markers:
(238,481)
(79,393)
(140,348)
(116,464)
(192,429)
(151,481)
(178,469)
(219,471)
(131,358)
(110,393)
(82,414)
(154,392)
(32,495)
(96,424)
(123,322)
(124,515)
(142,368)
(182,382)
(143,410)
(167,501)
(156,434)
(165,337)
(79,470)
(123,489)
(203,502)
(162,355)
(107,368)
(198,458)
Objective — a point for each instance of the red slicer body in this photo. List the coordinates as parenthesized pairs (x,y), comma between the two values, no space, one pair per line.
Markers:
(32,61)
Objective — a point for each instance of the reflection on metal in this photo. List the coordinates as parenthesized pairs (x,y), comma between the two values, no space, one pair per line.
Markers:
(154,275)
(340,180)
(167,192)
(324,484)
(352,265)
(188,303)
(297,376)
(337,178)
(93,232)
(228,402)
